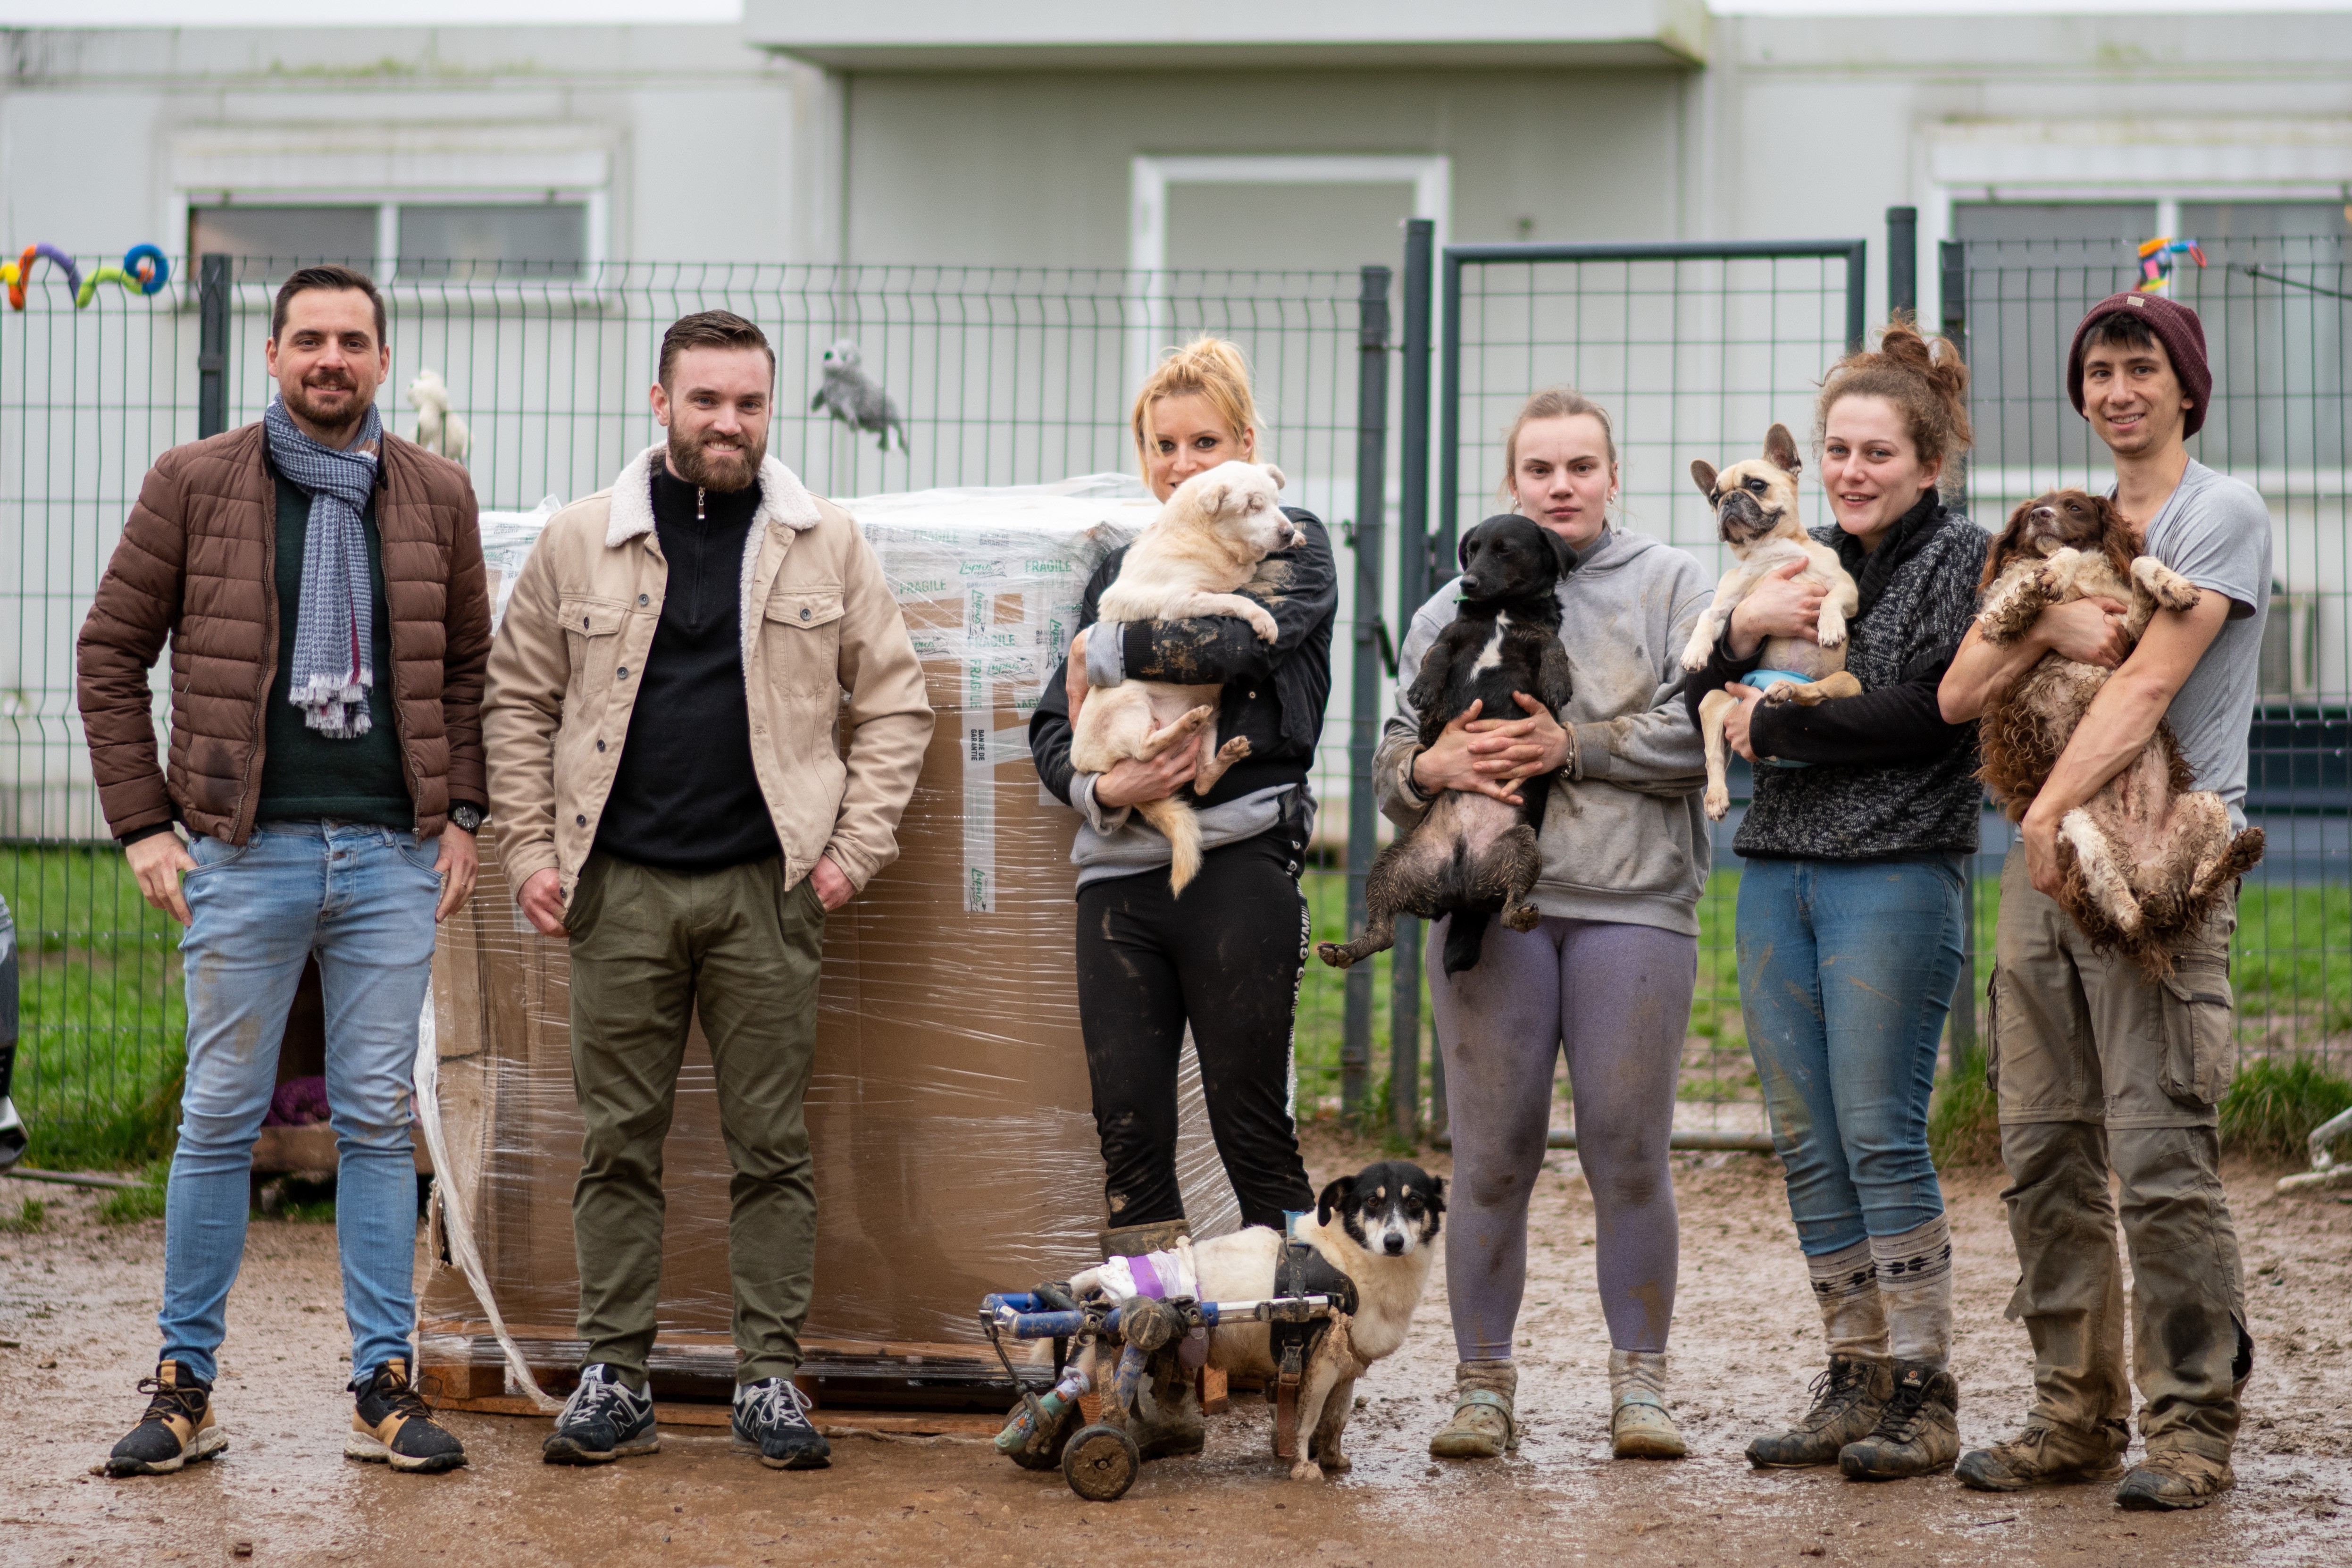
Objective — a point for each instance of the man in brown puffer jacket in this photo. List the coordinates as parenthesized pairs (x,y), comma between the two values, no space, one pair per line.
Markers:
(321,584)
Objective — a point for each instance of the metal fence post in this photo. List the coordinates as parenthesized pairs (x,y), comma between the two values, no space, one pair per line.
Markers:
(1952,278)
(1413,587)
(1857,289)
(1903,261)
(212,345)
(1364,707)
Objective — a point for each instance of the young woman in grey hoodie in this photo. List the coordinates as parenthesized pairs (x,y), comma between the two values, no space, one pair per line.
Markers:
(1608,972)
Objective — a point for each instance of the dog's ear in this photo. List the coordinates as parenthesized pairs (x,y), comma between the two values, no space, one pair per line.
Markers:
(1274,476)
(1338,1192)
(1780,450)
(1437,1193)
(1216,498)
(1704,473)
(1468,544)
(1562,553)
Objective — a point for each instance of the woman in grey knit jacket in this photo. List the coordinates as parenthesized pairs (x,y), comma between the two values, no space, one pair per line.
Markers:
(1850,902)
(1607,974)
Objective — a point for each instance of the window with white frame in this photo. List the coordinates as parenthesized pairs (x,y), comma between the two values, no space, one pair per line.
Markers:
(467,240)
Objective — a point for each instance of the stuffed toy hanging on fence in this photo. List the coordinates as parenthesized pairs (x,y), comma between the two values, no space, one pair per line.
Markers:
(437,430)
(144,270)
(2156,261)
(855,398)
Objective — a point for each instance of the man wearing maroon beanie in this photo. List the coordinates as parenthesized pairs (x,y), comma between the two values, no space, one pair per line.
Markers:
(2099,1066)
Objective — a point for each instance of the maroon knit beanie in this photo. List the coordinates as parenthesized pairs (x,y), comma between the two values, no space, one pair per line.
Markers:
(2176,326)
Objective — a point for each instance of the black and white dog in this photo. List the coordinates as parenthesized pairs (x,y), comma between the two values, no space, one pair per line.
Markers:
(1377,1227)
(1472,856)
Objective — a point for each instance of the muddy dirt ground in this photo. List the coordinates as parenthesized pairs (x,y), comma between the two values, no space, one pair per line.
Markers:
(78,1299)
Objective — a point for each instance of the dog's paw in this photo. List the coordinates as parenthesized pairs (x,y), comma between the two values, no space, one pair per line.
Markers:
(1782,692)
(1332,953)
(1718,802)
(1305,1470)
(1235,750)
(1335,1464)
(1695,659)
(1522,917)
(1263,625)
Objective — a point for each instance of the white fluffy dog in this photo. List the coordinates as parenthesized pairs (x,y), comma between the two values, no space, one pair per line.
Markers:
(1379,1228)
(437,430)
(1206,543)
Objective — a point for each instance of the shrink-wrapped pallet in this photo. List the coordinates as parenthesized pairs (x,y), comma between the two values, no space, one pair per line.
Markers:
(949,1111)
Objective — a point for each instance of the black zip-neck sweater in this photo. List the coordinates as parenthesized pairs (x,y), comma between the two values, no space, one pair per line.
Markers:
(686,797)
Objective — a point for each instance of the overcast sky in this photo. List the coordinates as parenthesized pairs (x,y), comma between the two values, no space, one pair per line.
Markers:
(444,13)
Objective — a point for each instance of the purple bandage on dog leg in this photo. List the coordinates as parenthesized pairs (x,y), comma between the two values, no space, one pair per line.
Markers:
(1147,1279)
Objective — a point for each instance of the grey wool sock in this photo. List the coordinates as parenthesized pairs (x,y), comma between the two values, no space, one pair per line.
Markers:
(1845,1287)
(1914,1277)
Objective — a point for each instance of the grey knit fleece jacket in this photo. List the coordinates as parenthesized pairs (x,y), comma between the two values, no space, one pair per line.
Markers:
(1624,837)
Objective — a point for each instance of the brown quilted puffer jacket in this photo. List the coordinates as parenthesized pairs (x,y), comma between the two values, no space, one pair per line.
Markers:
(198,563)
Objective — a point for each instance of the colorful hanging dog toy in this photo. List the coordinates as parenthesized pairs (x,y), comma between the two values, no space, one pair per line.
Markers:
(144,270)
(2156,261)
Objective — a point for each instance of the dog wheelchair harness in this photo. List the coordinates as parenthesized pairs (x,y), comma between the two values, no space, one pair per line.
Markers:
(1100,1459)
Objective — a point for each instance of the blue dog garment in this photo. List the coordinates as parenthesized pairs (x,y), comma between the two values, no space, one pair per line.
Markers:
(1759,679)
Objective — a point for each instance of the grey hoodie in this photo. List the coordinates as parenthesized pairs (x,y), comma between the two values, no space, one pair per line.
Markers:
(1623,838)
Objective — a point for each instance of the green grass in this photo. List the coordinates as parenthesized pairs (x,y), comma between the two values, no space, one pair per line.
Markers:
(32,1216)
(126,1205)
(103,1021)
(2271,1106)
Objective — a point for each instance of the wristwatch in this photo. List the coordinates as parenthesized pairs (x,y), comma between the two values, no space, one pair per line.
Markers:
(467,815)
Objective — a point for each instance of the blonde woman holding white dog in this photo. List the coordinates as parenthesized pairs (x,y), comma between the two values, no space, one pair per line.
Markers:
(1850,902)
(1608,972)
(1224,956)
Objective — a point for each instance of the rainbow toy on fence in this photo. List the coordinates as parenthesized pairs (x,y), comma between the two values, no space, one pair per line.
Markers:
(144,270)
(2156,261)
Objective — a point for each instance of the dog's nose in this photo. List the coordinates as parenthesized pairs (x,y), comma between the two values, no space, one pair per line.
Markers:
(1394,1244)
(2042,515)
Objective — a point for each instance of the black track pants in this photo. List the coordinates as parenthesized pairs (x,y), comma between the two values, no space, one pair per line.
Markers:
(1226,956)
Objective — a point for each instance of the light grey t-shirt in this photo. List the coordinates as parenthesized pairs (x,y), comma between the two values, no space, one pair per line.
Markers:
(2216,532)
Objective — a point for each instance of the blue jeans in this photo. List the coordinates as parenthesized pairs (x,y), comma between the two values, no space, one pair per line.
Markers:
(1846,970)
(360,898)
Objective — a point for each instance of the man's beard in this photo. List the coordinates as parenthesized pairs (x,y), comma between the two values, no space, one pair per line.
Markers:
(336,423)
(693,462)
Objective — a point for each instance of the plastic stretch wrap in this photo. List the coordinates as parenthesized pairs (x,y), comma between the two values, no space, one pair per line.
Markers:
(948,1111)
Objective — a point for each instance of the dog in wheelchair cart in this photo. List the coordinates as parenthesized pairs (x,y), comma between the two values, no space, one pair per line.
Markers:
(1309,1313)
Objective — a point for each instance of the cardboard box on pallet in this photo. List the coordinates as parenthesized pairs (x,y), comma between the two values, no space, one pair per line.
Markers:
(948,1111)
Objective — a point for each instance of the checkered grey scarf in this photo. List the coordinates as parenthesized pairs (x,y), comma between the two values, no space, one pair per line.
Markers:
(333,628)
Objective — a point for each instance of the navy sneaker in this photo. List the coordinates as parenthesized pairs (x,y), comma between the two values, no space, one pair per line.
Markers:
(179,1426)
(771,1420)
(392,1426)
(603,1420)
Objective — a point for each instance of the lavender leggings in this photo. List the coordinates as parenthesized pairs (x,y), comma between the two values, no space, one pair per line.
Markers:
(1618,996)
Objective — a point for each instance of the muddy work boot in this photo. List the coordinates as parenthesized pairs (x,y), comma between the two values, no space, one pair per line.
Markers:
(1847,1400)
(2047,1455)
(1917,1433)
(390,1425)
(1135,1240)
(179,1426)
(2172,1478)
(1639,1426)
(1484,1424)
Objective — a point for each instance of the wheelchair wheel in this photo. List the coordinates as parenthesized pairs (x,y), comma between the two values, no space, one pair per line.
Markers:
(1100,1463)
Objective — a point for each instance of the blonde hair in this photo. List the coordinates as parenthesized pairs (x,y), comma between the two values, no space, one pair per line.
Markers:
(1927,382)
(1205,367)
(1551,403)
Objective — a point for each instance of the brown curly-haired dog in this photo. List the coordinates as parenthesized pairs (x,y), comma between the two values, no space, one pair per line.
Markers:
(2147,858)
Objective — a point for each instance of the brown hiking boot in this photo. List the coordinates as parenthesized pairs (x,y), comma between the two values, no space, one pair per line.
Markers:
(2045,1455)
(179,1426)
(1918,1432)
(1847,1399)
(2174,1478)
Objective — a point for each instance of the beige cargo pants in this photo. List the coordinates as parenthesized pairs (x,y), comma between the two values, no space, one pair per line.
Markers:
(2097,1068)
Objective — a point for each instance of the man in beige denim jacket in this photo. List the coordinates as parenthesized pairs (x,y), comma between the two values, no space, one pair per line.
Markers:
(704,719)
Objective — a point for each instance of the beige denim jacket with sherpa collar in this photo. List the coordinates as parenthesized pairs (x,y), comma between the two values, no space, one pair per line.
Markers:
(839,722)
